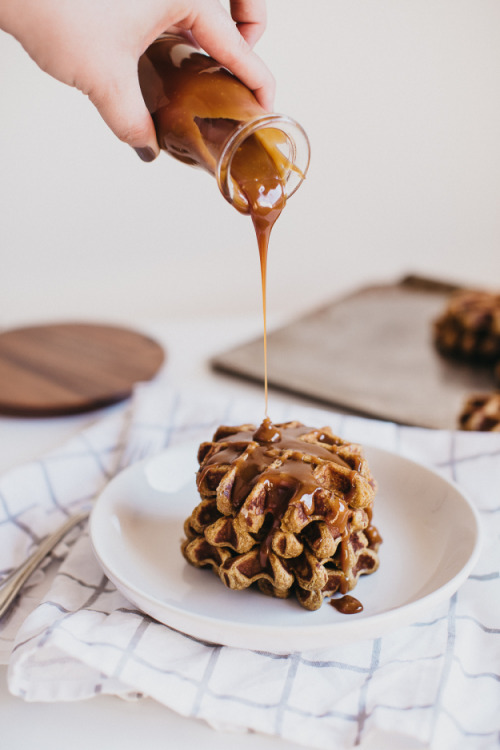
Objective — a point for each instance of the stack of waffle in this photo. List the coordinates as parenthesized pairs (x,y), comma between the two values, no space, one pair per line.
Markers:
(285,508)
(469,330)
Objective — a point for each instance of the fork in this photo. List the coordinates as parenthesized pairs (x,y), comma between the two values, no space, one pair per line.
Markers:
(12,585)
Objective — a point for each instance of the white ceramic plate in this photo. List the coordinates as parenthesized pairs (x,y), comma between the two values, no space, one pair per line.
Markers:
(431,543)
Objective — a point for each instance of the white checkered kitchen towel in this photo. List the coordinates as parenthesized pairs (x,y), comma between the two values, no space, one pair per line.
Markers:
(437,681)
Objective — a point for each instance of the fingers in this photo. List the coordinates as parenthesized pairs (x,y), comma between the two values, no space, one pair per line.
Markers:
(217,34)
(122,107)
(250,17)
(227,38)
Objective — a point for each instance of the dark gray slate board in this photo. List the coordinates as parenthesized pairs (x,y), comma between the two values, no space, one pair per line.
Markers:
(371,353)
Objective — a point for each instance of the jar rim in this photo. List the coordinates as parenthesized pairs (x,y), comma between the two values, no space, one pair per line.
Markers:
(298,140)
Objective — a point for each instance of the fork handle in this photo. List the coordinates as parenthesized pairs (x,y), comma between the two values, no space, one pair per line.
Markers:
(12,585)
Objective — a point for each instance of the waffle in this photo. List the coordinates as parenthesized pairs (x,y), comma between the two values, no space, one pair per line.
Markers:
(284,508)
(469,328)
(481,413)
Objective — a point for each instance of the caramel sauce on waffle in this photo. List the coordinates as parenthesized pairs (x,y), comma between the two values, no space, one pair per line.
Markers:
(371,532)
(252,455)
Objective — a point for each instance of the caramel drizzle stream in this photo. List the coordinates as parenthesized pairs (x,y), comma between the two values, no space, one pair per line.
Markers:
(263,221)
(260,178)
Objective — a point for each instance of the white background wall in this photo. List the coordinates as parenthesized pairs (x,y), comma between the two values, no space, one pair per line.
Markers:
(401,100)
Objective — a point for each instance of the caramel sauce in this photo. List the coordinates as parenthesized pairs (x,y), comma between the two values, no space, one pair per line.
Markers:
(347,604)
(344,564)
(261,182)
(267,432)
(371,532)
(194,101)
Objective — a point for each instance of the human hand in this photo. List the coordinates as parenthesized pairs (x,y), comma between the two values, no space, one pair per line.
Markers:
(95,47)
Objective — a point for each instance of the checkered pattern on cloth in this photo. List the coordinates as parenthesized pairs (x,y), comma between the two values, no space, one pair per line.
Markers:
(437,681)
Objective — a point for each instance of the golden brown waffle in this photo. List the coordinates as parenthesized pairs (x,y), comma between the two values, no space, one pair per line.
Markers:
(469,327)
(481,413)
(285,508)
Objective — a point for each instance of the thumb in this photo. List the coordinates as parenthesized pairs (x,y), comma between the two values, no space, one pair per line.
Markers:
(121,105)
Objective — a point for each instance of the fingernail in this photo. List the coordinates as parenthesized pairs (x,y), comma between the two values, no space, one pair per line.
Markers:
(146,153)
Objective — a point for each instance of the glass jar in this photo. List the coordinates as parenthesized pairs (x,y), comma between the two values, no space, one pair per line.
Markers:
(205,116)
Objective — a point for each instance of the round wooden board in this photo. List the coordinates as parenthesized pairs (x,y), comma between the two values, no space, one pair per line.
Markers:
(67,368)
